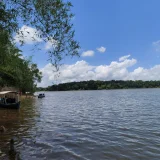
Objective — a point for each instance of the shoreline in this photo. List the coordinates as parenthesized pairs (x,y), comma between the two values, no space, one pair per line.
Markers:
(22,97)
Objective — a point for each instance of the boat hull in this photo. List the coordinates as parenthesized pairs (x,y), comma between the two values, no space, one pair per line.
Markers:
(41,96)
(10,106)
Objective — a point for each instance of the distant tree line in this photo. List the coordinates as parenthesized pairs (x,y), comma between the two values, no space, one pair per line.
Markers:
(101,85)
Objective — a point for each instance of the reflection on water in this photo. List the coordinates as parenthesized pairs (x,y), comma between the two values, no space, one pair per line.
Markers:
(17,125)
(84,125)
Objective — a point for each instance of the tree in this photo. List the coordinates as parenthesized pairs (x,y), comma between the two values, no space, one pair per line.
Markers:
(15,71)
(50,18)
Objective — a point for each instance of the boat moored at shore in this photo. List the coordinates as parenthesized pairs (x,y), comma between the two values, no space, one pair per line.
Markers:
(9,100)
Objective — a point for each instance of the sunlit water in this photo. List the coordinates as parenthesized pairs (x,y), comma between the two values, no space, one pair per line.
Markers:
(85,125)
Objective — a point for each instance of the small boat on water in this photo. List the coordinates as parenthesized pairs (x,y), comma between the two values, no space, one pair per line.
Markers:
(41,95)
(9,100)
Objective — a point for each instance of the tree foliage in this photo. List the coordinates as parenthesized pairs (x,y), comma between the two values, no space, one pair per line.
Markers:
(51,19)
(15,70)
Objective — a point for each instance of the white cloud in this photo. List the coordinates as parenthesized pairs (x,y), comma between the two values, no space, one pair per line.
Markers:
(101,49)
(156,45)
(124,58)
(27,34)
(145,74)
(30,35)
(67,73)
(82,71)
(88,53)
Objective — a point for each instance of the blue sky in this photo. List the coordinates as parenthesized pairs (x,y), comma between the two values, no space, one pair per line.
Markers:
(123,27)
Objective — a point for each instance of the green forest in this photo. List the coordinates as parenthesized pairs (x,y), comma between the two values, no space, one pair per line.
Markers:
(101,85)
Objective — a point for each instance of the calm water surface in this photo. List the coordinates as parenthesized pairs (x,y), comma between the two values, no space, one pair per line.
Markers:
(85,125)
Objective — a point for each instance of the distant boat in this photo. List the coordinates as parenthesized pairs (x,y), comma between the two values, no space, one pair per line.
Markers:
(41,95)
(9,100)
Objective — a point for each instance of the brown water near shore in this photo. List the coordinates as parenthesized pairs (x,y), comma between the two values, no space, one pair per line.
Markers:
(16,123)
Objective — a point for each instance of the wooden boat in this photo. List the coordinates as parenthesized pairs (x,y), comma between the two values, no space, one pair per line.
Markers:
(9,100)
(41,95)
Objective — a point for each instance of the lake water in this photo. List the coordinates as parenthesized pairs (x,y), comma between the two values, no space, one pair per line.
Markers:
(85,125)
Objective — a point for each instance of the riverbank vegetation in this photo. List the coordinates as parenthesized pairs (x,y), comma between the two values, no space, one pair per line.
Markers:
(15,70)
(51,21)
(100,85)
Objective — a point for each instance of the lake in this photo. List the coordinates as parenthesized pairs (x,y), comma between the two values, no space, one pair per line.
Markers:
(85,125)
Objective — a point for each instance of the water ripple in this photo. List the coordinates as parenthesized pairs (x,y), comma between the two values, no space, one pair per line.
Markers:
(85,125)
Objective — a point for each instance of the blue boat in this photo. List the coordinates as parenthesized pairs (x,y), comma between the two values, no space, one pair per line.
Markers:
(9,100)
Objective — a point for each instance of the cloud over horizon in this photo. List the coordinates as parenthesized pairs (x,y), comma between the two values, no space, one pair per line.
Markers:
(82,71)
